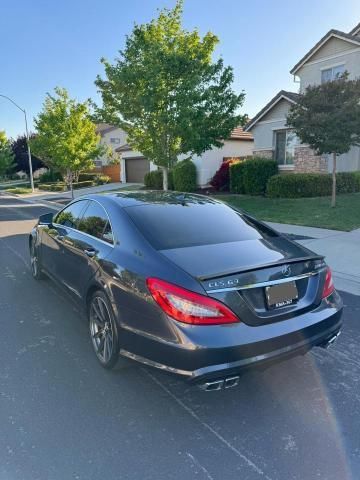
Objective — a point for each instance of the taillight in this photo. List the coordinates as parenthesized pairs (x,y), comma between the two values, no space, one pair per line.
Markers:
(328,285)
(189,307)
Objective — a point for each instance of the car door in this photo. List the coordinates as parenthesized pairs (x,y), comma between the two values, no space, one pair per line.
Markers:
(85,246)
(54,236)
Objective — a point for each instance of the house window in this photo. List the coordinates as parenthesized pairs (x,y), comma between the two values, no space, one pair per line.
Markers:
(330,74)
(115,140)
(285,142)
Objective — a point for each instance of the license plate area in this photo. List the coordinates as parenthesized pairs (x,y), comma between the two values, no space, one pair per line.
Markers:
(281,295)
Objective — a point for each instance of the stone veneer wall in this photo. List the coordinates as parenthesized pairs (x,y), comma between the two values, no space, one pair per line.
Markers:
(264,153)
(306,161)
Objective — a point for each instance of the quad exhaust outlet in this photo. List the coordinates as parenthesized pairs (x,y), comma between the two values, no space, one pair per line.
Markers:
(330,341)
(220,384)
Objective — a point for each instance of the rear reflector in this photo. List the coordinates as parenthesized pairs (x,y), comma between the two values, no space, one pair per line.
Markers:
(189,307)
(328,285)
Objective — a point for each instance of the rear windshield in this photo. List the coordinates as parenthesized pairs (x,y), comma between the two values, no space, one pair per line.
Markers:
(168,226)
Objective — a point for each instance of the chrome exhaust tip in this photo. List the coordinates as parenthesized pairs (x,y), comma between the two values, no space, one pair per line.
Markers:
(331,341)
(220,384)
(212,386)
(231,382)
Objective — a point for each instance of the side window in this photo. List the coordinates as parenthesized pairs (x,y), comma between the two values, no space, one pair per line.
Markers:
(69,217)
(95,222)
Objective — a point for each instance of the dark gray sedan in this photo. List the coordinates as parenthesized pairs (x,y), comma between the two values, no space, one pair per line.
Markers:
(186,284)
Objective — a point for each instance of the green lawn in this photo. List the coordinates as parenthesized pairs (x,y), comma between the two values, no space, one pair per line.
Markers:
(18,190)
(313,212)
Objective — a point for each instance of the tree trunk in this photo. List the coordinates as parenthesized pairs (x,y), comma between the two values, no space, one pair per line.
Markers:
(333,196)
(165,178)
(70,180)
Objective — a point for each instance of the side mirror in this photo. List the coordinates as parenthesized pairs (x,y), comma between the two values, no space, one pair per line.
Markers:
(46,219)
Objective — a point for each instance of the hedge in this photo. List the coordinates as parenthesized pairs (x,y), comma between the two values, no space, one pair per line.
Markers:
(52,187)
(50,176)
(85,176)
(299,185)
(95,177)
(251,176)
(61,186)
(154,180)
(184,176)
(84,184)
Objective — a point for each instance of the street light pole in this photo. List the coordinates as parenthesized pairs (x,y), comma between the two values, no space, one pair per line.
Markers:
(27,140)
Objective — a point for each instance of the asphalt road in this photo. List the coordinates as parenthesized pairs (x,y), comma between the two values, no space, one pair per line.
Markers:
(63,417)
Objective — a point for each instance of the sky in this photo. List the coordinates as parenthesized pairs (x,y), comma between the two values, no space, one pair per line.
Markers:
(48,43)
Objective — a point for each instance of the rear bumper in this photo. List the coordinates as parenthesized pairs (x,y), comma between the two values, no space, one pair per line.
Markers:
(216,352)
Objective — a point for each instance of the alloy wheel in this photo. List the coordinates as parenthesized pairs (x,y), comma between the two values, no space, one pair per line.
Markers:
(34,260)
(101,329)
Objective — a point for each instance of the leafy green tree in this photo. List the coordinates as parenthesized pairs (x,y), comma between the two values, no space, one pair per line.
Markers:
(7,163)
(327,117)
(66,139)
(167,93)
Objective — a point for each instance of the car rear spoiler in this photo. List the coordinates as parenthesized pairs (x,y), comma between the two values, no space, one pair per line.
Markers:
(260,266)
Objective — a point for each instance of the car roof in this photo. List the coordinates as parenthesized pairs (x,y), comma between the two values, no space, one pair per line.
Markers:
(146,197)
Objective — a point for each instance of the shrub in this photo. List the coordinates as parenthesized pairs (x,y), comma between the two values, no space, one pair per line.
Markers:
(221,180)
(347,182)
(184,176)
(251,176)
(52,187)
(18,190)
(102,179)
(85,176)
(312,184)
(154,180)
(84,184)
(357,180)
(50,176)
(61,186)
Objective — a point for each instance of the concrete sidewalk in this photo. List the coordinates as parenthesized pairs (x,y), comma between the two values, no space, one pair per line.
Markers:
(341,249)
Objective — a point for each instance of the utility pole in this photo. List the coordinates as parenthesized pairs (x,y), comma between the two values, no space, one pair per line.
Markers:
(27,140)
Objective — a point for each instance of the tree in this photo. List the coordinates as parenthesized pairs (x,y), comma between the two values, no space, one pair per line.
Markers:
(7,164)
(66,138)
(19,148)
(167,93)
(327,117)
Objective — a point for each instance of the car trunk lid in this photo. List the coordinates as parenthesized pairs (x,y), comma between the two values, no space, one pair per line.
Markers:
(240,273)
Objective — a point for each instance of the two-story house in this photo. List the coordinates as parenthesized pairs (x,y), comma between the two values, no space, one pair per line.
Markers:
(334,54)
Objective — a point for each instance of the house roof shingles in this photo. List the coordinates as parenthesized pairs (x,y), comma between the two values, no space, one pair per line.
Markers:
(103,128)
(290,96)
(355,30)
(345,36)
(240,134)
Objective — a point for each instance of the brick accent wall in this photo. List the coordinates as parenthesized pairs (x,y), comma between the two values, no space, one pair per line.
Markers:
(306,161)
(264,153)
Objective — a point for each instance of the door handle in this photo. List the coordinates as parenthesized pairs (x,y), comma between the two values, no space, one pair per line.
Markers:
(90,252)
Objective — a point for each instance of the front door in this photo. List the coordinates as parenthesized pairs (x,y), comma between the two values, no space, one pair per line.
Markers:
(55,236)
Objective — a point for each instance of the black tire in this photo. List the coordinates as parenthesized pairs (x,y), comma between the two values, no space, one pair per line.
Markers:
(35,264)
(103,330)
